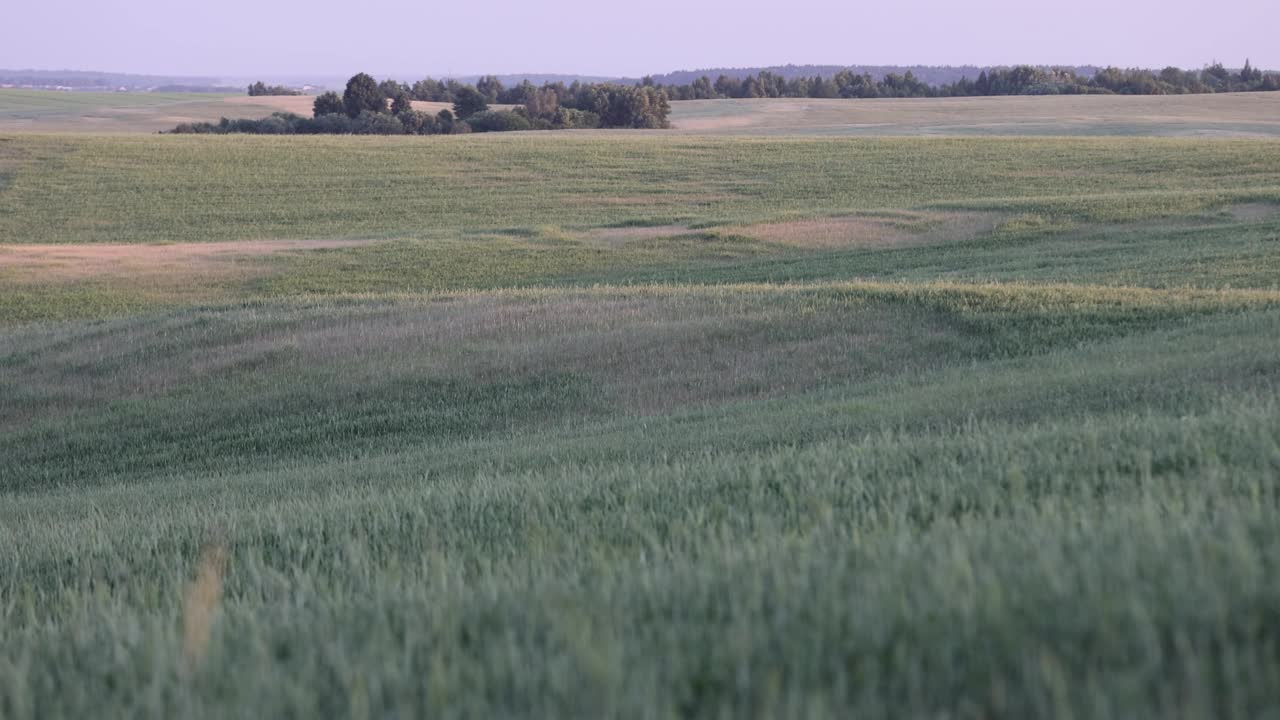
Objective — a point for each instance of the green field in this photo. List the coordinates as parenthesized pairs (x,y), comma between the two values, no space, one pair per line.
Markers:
(1223,115)
(639,425)
(1220,115)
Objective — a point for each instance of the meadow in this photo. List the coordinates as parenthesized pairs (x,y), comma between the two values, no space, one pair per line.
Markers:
(639,425)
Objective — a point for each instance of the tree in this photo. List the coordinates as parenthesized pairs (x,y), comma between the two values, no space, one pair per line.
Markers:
(258,88)
(328,104)
(727,87)
(429,90)
(362,94)
(490,87)
(401,103)
(543,103)
(391,88)
(468,101)
(1250,74)
(623,106)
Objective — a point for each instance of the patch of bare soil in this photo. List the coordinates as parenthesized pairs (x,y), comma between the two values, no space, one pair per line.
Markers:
(299,104)
(56,263)
(887,231)
(623,235)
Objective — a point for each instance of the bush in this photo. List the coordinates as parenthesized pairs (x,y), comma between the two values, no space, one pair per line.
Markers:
(498,121)
(336,123)
(417,122)
(376,123)
(277,124)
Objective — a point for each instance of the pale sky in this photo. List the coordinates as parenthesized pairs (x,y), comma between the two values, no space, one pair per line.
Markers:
(414,38)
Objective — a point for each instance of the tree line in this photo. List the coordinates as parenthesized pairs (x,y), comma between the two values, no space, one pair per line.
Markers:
(367,107)
(1018,80)
(260,88)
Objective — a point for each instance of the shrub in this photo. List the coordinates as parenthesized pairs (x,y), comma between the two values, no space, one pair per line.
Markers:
(417,122)
(376,123)
(498,121)
(333,124)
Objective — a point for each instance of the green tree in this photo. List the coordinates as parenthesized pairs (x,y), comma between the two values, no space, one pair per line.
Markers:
(391,88)
(362,94)
(543,103)
(401,103)
(490,87)
(328,104)
(468,101)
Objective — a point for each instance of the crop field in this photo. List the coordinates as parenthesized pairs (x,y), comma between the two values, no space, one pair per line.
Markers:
(1250,115)
(1226,115)
(639,425)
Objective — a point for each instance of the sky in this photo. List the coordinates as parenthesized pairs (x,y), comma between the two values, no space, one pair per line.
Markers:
(409,39)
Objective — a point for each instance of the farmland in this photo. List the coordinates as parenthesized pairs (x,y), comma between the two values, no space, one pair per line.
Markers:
(1224,115)
(645,424)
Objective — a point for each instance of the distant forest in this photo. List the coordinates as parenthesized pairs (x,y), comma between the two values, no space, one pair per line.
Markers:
(846,83)
(1019,80)
(369,107)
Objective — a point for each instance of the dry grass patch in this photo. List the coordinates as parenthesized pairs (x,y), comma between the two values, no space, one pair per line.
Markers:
(1222,115)
(891,230)
(146,263)
(614,236)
